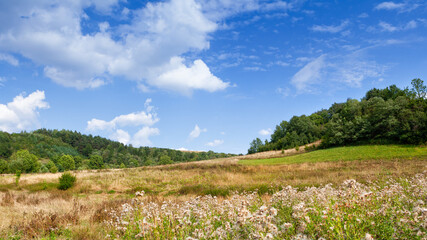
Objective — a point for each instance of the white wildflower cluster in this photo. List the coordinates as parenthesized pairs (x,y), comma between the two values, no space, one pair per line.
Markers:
(364,211)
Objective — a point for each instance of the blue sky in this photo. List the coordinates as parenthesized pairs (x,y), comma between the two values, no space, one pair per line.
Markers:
(197,74)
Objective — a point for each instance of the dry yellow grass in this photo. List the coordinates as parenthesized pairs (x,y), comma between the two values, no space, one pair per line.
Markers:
(79,209)
(164,180)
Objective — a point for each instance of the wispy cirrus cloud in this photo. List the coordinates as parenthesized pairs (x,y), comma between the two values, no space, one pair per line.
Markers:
(405,6)
(387,27)
(2,80)
(9,59)
(331,28)
(389,6)
(349,69)
(308,75)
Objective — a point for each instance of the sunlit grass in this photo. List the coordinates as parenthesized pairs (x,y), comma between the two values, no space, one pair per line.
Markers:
(351,153)
(37,209)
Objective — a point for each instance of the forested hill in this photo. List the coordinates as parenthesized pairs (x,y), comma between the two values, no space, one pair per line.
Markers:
(390,115)
(52,150)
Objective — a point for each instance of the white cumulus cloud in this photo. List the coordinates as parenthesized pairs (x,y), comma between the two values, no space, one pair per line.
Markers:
(97,124)
(144,119)
(179,77)
(147,50)
(141,138)
(121,136)
(22,113)
(215,143)
(147,118)
(196,132)
(265,132)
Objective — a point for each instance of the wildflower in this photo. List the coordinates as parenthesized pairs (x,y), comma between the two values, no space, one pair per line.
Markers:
(273,211)
(368,237)
(287,225)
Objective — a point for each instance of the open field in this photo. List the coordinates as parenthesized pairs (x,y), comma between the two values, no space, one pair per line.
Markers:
(351,153)
(105,202)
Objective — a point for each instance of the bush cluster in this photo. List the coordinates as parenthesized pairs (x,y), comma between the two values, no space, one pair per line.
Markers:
(66,181)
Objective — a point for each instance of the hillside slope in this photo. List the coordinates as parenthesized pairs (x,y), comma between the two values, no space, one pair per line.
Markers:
(349,153)
(45,148)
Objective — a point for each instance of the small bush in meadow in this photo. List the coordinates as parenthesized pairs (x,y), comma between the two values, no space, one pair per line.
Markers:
(66,181)
(17,177)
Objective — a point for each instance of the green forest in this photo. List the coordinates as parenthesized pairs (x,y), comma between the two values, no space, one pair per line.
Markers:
(53,150)
(389,115)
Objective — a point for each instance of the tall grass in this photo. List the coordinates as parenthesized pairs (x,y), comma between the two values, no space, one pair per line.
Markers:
(225,200)
(390,210)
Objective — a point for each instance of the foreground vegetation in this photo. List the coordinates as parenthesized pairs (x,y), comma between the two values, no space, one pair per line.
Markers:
(388,205)
(390,210)
(223,199)
(349,153)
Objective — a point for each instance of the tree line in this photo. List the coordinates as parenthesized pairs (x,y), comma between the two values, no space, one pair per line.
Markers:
(389,115)
(46,150)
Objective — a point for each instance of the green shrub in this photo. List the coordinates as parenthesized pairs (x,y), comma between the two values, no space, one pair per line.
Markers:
(53,169)
(66,181)
(44,169)
(18,176)
(24,161)
(96,162)
(67,162)
(3,166)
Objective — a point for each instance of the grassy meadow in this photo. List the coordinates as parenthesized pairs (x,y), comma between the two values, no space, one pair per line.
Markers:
(359,192)
(348,153)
